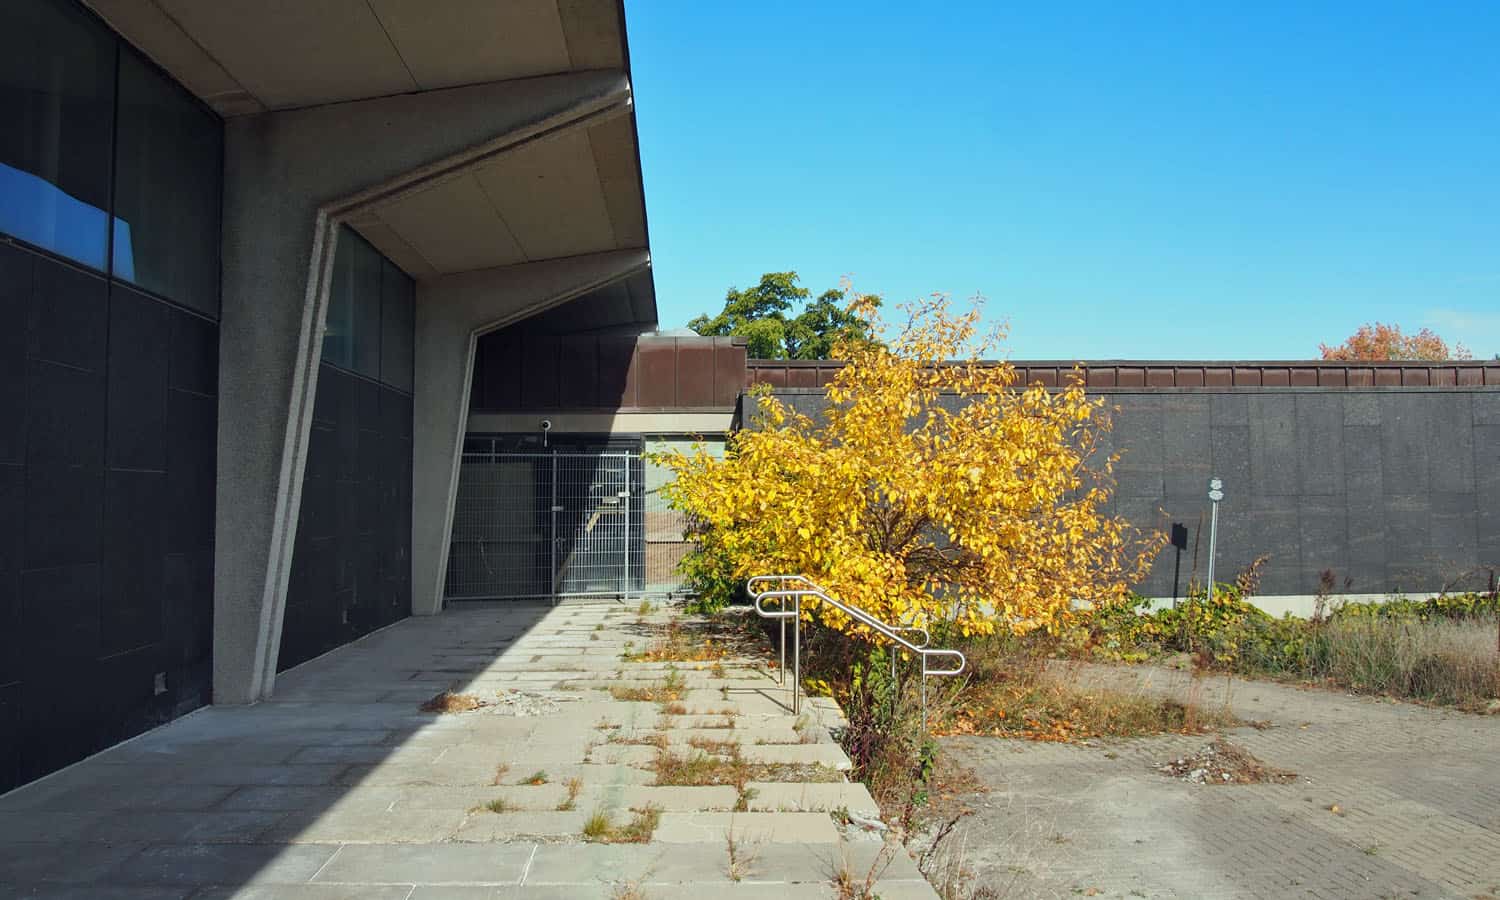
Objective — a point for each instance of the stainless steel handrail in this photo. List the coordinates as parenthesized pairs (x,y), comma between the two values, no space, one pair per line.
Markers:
(893,633)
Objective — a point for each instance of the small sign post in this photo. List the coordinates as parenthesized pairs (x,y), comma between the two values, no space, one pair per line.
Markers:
(1215,494)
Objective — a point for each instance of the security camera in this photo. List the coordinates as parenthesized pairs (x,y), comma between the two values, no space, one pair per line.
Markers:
(546,424)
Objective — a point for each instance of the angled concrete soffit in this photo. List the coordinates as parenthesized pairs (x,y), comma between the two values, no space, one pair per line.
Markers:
(291,179)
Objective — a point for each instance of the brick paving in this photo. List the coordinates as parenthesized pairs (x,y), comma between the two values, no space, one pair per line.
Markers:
(1417,791)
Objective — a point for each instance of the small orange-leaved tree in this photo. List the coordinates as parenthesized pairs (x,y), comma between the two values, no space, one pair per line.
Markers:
(932,489)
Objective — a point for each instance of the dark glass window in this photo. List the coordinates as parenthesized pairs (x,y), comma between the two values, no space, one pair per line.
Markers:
(166,189)
(371,317)
(338,324)
(57,73)
(397,327)
(366,284)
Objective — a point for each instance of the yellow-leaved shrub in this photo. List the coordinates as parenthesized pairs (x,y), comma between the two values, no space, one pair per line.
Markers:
(933,489)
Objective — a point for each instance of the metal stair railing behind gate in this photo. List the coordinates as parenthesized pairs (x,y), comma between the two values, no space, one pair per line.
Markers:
(806,587)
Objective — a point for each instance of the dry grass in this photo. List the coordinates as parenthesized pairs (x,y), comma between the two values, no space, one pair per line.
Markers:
(449,702)
(500,772)
(1453,663)
(574,785)
(723,747)
(655,739)
(741,857)
(695,641)
(701,769)
(1019,696)
(668,690)
(598,828)
(499,805)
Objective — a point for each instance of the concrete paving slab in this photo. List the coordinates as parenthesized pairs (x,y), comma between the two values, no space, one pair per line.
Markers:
(340,786)
(221,864)
(473,864)
(766,827)
(308,892)
(775,796)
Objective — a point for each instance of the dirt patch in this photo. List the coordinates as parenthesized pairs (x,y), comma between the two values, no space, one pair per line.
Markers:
(449,702)
(1222,762)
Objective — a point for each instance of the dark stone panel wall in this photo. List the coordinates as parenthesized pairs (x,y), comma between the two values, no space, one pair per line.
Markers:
(1392,490)
(107,467)
(1396,490)
(351,565)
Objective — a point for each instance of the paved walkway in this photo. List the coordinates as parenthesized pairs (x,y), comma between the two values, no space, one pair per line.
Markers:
(341,787)
(1417,793)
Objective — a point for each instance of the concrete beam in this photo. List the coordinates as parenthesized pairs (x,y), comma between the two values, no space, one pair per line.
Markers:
(452,313)
(290,179)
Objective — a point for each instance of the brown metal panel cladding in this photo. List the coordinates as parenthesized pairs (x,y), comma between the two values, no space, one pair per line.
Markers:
(1492,375)
(1188,377)
(578,372)
(1161,376)
(1102,376)
(632,393)
(656,374)
(1246,377)
(825,375)
(695,374)
(1386,377)
(801,376)
(1470,376)
(775,376)
(1445,376)
(1360,377)
(1414,377)
(1047,377)
(730,376)
(1304,377)
(616,387)
(1129,376)
(1330,377)
(539,372)
(1216,377)
(1275,377)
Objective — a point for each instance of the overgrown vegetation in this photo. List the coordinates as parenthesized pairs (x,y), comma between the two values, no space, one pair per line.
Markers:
(1443,650)
(600,828)
(668,690)
(1014,692)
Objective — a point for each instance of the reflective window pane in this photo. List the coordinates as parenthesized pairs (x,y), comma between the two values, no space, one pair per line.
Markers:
(338,325)
(56,112)
(166,189)
(397,327)
(351,337)
(366,273)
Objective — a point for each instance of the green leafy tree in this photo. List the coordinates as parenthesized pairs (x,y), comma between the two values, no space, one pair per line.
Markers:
(760,315)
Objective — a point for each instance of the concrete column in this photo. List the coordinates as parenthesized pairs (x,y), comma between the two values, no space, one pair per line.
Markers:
(290,179)
(452,313)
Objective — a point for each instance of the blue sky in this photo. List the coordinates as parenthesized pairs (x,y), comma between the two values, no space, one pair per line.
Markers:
(1118,180)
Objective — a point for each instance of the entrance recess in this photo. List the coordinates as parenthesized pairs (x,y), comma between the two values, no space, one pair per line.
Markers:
(531,524)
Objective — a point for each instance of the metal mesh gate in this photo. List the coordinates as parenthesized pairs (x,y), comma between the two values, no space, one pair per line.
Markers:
(530,524)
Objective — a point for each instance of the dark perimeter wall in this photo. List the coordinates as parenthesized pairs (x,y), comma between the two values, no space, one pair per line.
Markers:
(1395,488)
(351,565)
(107,454)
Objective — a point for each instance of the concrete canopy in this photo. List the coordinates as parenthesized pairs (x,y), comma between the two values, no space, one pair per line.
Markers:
(488,148)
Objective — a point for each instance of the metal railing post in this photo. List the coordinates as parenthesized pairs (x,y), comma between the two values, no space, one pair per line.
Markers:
(797,656)
(781,670)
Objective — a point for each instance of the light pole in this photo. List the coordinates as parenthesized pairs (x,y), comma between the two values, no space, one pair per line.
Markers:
(1215,494)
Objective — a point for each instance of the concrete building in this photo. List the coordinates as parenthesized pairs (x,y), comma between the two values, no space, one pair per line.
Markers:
(245,255)
(314,316)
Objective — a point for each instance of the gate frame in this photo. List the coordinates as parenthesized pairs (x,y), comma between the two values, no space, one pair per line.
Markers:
(630,448)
